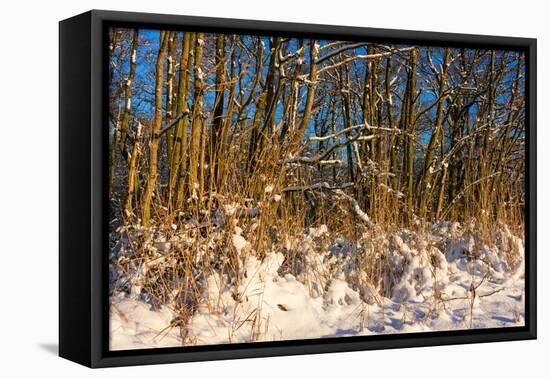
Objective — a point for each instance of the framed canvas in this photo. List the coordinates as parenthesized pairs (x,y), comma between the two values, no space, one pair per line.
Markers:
(234,188)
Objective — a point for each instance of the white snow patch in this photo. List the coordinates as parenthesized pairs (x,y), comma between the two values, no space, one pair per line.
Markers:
(431,282)
(240,243)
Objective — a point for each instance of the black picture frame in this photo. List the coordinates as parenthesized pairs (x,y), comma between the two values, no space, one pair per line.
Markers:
(83,204)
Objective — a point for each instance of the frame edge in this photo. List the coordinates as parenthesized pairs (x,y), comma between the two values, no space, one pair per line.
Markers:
(100,359)
(75,335)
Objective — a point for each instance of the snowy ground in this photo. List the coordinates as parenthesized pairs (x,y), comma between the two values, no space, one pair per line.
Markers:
(441,281)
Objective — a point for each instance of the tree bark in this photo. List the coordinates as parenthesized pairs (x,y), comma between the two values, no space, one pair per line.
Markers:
(424,186)
(196,119)
(178,167)
(128,96)
(155,137)
(217,122)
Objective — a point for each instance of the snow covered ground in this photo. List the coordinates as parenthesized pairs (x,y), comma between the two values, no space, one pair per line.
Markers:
(444,280)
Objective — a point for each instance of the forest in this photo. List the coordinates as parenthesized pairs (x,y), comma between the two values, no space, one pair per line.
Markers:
(267,188)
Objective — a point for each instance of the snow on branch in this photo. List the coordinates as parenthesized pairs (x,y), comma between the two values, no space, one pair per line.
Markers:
(241,212)
(338,190)
(355,207)
(340,50)
(317,186)
(283,59)
(173,123)
(360,57)
(337,134)
(360,127)
(330,162)
(321,155)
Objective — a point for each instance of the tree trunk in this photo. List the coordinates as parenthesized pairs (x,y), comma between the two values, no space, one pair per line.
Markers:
(178,168)
(170,85)
(409,135)
(217,122)
(132,172)
(196,119)
(311,85)
(128,96)
(155,135)
(424,187)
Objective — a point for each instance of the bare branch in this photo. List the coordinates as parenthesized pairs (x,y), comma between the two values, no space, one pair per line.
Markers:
(357,57)
(317,186)
(173,123)
(355,207)
(340,50)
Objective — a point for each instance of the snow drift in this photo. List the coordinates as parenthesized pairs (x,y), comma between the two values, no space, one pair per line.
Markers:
(398,282)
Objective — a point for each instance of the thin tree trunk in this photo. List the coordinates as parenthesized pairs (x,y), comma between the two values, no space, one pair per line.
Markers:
(217,122)
(170,88)
(196,119)
(424,186)
(409,136)
(155,137)
(226,124)
(178,168)
(311,85)
(128,96)
(132,172)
